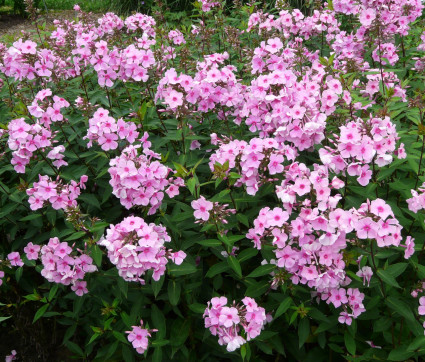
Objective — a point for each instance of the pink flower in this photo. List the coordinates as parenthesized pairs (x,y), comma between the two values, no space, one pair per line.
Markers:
(15,259)
(338,297)
(201,207)
(367,16)
(344,317)
(138,337)
(229,316)
(421,309)
(79,288)
(410,247)
(174,99)
(11,357)
(32,251)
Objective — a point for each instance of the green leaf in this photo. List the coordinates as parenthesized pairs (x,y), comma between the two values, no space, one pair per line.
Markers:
(158,320)
(396,269)
(262,270)
(40,312)
(74,348)
(388,278)
(197,308)
(120,337)
(53,292)
(283,307)
(350,343)
(234,264)
(182,269)
(97,254)
(157,285)
(174,290)
(179,331)
(303,331)
(75,236)
(247,254)
(400,307)
(242,219)
(257,289)
(217,269)
(418,345)
(30,217)
(4,318)
(91,200)
(18,273)
(210,242)
(399,354)
(160,342)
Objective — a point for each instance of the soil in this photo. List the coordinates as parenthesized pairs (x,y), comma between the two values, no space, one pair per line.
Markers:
(14,24)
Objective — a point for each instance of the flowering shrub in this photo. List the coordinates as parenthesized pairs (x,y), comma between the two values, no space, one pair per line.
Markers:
(245,183)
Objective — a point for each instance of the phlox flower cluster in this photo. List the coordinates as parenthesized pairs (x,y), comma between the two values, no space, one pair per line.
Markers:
(56,193)
(141,22)
(213,86)
(106,131)
(138,337)
(140,180)
(205,210)
(26,139)
(61,266)
(176,37)
(257,161)
(207,5)
(136,247)
(284,103)
(227,322)
(385,52)
(389,79)
(358,145)
(295,23)
(420,61)
(415,293)
(47,108)
(417,201)
(24,61)
(92,47)
(310,246)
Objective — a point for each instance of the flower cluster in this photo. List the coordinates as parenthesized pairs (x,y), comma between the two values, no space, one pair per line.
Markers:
(141,179)
(417,201)
(26,139)
(226,322)
(207,5)
(310,247)
(213,86)
(138,337)
(55,193)
(106,131)
(176,37)
(358,145)
(257,161)
(62,267)
(47,108)
(136,247)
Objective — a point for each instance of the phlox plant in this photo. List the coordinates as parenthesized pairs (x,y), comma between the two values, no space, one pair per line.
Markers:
(246,184)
